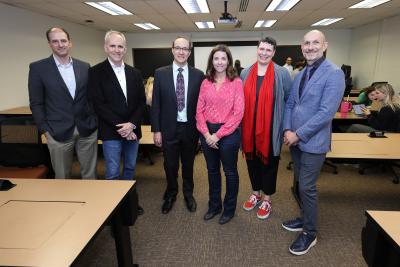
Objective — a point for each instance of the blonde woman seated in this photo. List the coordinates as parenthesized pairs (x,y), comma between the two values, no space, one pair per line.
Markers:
(387,118)
(149,90)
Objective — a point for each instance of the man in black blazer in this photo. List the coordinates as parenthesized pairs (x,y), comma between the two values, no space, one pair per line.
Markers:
(117,92)
(58,100)
(175,93)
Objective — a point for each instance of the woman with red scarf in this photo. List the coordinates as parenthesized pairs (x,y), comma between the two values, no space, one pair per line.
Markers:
(266,89)
(219,112)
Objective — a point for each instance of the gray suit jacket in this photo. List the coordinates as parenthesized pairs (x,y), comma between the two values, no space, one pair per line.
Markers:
(310,115)
(53,108)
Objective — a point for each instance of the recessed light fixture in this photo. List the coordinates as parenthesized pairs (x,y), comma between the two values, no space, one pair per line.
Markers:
(205,24)
(265,23)
(194,6)
(326,22)
(110,8)
(147,26)
(281,5)
(369,3)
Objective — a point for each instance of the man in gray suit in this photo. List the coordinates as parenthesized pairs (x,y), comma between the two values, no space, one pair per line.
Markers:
(316,93)
(59,104)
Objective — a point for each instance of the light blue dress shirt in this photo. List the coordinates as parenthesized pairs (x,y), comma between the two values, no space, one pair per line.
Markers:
(67,74)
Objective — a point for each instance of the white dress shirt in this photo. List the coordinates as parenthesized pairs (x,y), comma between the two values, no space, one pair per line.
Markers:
(120,73)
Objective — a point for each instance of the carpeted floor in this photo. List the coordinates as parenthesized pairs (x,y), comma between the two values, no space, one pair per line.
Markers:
(181,238)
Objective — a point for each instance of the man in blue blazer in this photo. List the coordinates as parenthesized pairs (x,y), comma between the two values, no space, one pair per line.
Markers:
(315,97)
(175,93)
(58,100)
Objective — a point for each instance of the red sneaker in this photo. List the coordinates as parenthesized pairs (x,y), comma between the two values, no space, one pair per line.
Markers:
(264,210)
(253,201)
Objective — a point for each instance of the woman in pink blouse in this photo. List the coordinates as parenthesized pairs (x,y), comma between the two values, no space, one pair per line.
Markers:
(219,112)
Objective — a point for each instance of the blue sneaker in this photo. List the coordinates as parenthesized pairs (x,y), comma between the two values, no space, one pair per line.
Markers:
(303,243)
(295,225)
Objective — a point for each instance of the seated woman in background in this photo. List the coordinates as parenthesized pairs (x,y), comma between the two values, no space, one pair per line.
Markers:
(149,90)
(366,96)
(387,118)
(220,110)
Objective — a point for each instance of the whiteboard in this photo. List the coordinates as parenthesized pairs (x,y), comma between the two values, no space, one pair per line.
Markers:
(246,54)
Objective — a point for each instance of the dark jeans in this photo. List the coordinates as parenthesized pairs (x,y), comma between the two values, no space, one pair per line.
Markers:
(228,155)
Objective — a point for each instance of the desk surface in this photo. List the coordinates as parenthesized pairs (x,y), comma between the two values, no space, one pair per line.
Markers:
(389,221)
(348,116)
(17,111)
(360,145)
(92,202)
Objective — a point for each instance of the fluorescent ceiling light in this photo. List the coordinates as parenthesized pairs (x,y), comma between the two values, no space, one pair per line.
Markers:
(205,25)
(369,3)
(326,22)
(264,23)
(147,26)
(281,5)
(109,7)
(194,6)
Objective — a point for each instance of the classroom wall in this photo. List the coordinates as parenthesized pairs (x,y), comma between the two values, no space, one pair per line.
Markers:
(375,53)
(23,41)
(338,50)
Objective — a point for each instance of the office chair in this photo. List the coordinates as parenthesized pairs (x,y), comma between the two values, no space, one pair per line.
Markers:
(21,152)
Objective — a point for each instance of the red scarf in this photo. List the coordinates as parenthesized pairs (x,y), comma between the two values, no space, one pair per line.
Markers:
(264,114)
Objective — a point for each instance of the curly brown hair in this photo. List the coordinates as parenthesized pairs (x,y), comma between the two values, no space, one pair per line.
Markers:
(230,71)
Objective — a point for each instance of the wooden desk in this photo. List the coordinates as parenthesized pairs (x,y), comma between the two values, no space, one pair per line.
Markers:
(49,222)
(348,116)
(381,238)
(351,98)
(18,111)
(361,146)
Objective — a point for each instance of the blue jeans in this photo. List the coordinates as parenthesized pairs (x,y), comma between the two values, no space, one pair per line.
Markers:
(113,150)
(228,155)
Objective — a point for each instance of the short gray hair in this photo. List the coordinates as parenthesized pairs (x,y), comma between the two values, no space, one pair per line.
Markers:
(111,32)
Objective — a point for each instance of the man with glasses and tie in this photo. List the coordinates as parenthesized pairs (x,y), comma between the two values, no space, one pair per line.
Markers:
(175,93)
(316,93)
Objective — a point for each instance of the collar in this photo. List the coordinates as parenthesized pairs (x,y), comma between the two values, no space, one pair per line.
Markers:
(175,67)
(115,66)
(317,63)
(59,64)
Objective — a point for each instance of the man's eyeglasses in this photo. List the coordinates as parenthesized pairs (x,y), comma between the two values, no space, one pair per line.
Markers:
(184,49)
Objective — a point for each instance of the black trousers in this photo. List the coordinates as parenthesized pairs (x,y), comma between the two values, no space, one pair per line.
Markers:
(182,147)
(263,177)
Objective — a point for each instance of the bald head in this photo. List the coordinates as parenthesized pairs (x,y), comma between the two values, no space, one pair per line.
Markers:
(318,33)
(314,46)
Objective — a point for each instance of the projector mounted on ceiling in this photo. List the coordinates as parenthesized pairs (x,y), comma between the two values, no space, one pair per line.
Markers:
(227,18)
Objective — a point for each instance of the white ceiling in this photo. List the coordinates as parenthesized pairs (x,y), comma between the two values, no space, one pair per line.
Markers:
(170,17)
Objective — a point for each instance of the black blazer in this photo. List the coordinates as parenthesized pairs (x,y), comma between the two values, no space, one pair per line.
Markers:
(164,110)
(109,102)
(53,108)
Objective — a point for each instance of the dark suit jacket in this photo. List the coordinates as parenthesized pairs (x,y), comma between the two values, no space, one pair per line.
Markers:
(53,108)
(164,110)
(109,102)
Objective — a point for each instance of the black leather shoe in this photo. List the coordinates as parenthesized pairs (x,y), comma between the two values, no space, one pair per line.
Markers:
(191,204)
(211,214)
(167,206)
(140,210)
(224,219)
